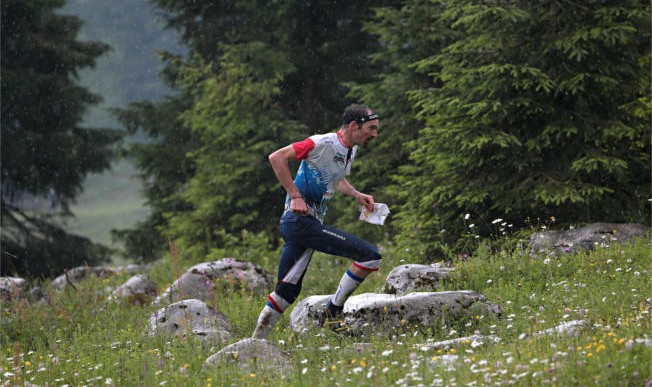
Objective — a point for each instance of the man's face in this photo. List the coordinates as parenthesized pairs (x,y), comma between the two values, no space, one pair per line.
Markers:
(366,132)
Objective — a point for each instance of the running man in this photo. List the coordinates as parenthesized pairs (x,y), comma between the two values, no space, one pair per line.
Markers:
(325,161)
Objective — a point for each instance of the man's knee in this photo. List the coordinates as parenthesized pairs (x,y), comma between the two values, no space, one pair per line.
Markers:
(288,292)
(277,302)
(371,259)
(368,265)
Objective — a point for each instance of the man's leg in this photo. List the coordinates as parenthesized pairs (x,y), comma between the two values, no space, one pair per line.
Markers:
(269,316)
(350,282)
(290,276)
(367,259)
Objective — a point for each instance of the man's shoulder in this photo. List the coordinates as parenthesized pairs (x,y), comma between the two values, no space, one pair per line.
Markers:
(325,138)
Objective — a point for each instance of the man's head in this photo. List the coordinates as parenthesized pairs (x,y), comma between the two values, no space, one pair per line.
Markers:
(361,123)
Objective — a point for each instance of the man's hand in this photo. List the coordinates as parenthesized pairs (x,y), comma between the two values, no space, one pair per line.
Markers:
(298,206)
(367,201)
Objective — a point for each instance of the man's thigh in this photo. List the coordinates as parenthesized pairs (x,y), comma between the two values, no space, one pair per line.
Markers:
(310,233)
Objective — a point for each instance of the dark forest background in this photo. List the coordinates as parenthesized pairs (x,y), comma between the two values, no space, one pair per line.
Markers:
(496,118)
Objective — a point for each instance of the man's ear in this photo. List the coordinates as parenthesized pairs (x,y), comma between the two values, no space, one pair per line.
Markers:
(353,125)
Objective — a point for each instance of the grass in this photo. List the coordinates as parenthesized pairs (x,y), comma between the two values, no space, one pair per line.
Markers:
(77,337)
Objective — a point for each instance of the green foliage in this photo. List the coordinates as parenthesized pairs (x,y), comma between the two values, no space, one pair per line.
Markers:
(238,121)
(515,110)
(322,46)
(43,147)
(76,337)
(536,112)
(164,170)
(406,35)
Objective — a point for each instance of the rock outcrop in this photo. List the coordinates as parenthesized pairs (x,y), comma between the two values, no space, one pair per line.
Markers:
(587,237)
(408,278)
(138,289)
(372,312)
(253,354)
(73,276)
(191,318)
(202,280)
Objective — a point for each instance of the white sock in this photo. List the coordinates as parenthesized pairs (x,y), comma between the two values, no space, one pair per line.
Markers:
(347,286)
(268,317)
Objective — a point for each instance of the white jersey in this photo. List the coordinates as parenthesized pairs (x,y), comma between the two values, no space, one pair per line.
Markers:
(325,161)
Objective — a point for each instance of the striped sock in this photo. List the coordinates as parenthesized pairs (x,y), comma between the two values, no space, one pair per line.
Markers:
(348,284)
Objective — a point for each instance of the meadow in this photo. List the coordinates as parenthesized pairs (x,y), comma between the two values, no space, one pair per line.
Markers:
(79,338)
(110,200)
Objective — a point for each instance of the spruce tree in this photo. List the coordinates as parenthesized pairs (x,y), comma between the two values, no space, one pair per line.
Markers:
(238,122)
(541,114)
(45,151)
(324,46)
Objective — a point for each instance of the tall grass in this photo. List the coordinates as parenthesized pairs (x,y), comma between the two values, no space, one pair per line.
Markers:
(77,337)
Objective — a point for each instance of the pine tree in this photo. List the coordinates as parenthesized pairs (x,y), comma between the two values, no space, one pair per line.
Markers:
(44,150)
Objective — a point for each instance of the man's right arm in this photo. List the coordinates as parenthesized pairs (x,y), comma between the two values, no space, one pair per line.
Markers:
(280,164)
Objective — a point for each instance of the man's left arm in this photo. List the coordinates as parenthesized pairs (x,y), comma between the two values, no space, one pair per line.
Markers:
(346,188)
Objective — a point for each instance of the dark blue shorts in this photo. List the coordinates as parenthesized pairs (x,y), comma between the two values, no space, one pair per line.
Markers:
(303,235)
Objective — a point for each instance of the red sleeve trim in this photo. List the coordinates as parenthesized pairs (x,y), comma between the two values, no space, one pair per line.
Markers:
(302,148)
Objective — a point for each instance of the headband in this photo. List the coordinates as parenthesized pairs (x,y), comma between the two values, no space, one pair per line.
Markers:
(370,117)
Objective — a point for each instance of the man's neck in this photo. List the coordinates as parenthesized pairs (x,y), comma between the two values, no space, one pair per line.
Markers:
(345,138)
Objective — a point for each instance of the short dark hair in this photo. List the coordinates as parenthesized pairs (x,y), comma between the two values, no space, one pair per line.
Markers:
(356,112)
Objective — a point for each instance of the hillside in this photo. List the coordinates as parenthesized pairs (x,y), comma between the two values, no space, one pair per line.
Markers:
(77,337)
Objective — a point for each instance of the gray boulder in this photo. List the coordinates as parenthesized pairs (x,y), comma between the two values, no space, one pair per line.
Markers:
(232,272)
(254,355)
(13,288)
(138,289)
(201,281)
(73,276)
(305,314)
(386,312)
(191,318)
(587,237)
(189,286)
(413,277)
(133,268)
